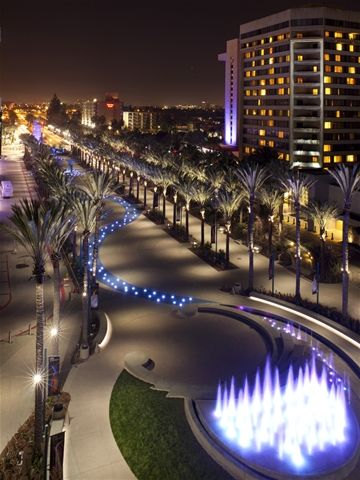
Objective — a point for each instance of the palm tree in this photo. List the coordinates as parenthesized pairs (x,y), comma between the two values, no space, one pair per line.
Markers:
(348,179)
(297,184)
(187,189)
(86,212)
(65,223)
(271,201)
(34,228)
(228,204)
(165,179)
(202,195)
(251,178)
(98,186)
(321,214)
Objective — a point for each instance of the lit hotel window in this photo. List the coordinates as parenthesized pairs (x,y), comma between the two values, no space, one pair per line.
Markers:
(350,158)
(262,112)
(270,123)
(327,159)
(288,58)
(262,52)
(337,59)
(338,113)
(254,73)
(300,58)
(315,68)
(352,36)
(270,39)
(263,91)
(263,82)
(247,93)
(327,79)
(271,143)
(337,158)
(262,143)
(327,68)
(351,70)
(351,48)
(262,133)
(262,62)
(315,91)
(338,35)
(287,157)
(271,71)
(327,148)
(270,112)
(338,69)
(326,56)
(280,80)
(339,46)
(271,81)
(280,134)
(351,81)
(271,60)
(281,91)
(262,43)
(327,125)
(327,91)
(248,73)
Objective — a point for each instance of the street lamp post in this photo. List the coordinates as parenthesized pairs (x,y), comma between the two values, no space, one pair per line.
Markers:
(202,212)
(227,253)
(174,210)
(145,191)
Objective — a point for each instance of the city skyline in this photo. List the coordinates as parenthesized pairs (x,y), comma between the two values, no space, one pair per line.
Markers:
(150,55)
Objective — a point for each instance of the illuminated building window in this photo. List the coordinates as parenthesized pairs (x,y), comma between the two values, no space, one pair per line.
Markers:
(351,81)
(259,102)
(315,91)
(247,149)
(299,35)
(338,113)
(262,52)
(271,143)
(352,36)
(271,60)
(248,73)
(281,156)
(247,93)
(326,56)
(281,91)
(270,39)
(350,158)
(327,159)
(280,134)
(327,148)
(270,123)
(299,80)
(351,48)
(271,71)
(337,59)
(254,73)
(327,34)
(315,68)
(288,58)
(263,91)
(262,133)
(263,81)
(262,143)
(271,50)
(327,68)
(338,35)
(337,158)
(280,80)
(262,43)
(253,63)
(300,58)
(281,37)
(327,79)
(327,91)
(262,112)
(327,125)
(254,93)
(247,54)
(287,157)
(339,47)
(338,69)
(351,70)
(262,62)
(314,159)
(270,112)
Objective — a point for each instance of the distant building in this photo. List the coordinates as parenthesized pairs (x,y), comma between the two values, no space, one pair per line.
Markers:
(292,82)
(88,112)
(142,120)
(110,108)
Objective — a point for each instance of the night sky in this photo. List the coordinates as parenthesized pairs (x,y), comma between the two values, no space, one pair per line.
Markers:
(159,52)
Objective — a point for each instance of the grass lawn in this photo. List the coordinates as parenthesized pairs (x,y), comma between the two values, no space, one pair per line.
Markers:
(154,436)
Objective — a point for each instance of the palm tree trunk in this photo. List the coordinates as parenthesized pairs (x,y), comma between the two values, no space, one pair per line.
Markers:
(164,207)
(39,361)
(322,259)
(56,302)
(227,253)
(145,199)
(270,237)
(202,232)
(85,295)
(174,215)
(137,189)
(345,262)
(281,216)
(297,251)
(251,243)
(95,255)
(187,223)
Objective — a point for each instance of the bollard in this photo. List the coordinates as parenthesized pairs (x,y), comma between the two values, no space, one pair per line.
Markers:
(9,339)
(29,331)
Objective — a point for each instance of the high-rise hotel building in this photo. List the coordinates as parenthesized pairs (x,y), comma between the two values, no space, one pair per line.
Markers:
(292,82)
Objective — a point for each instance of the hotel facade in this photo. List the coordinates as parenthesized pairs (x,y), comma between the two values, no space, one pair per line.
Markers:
(292,82)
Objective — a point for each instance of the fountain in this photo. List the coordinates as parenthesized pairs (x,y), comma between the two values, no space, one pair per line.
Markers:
(292,427)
